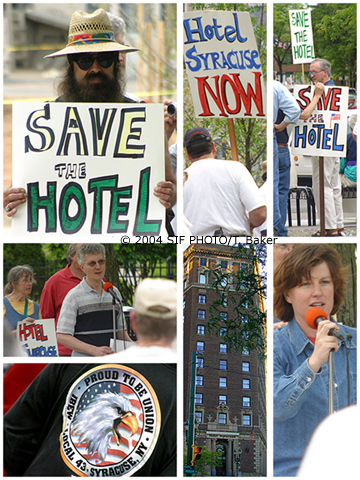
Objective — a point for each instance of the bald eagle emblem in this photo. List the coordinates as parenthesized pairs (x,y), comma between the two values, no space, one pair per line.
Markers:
(111,422)
(103,418)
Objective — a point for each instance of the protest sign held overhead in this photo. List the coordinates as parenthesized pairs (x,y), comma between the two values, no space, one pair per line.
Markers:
(302,45)
(38,339)
(325,132)
(88,168)
(223,65)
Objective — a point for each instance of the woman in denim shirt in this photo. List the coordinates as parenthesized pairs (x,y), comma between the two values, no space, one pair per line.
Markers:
(310,276)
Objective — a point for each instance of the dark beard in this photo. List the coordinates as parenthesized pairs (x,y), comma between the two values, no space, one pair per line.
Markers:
(108,90)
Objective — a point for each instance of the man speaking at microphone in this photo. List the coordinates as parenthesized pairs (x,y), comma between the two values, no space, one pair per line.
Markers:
(309,287)
(86,319)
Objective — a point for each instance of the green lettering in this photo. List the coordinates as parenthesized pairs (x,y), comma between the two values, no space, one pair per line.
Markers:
(143,226)
(72,224)
(48,203)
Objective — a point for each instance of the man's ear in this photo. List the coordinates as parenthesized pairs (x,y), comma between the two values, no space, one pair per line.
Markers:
(133,320)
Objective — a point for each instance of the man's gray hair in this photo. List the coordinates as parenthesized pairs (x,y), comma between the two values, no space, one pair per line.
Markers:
(324,65)
(90,249)
(118,25)
(71,251)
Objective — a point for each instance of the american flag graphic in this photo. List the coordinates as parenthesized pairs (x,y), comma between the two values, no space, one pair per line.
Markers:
(335,117)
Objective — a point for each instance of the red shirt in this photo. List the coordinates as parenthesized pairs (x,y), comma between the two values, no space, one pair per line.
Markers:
(52,297)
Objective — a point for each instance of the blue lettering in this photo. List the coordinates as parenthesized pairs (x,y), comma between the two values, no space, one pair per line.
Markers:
(300,136)
(312,137)
(337,147)
(189,54)
(326,139)
(209,32)
(190,32)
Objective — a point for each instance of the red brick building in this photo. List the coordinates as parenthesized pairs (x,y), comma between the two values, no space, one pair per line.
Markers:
(230,387)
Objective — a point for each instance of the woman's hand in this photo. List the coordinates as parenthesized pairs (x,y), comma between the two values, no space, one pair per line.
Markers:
(324,343)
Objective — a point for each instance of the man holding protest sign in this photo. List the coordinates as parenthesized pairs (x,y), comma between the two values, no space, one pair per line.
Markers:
(86,318)
(220,196)
(95,75)
(320,71)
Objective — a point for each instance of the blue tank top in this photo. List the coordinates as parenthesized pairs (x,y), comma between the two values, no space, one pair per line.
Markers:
(13,317)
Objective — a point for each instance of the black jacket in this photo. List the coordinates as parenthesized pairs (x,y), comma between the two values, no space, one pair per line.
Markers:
(35,439)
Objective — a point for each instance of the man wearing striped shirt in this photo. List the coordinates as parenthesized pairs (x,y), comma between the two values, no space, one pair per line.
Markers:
(86,319)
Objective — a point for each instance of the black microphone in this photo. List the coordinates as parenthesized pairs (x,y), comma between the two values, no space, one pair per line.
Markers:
(109,287)
(316,315)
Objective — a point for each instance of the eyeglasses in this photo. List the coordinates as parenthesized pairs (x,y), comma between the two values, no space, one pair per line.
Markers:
(85,61)
(314,73)
(93,263)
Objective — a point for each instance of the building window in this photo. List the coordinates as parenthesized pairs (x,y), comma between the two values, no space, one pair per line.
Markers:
(223,316)
(224,281)
(224,264)
(198,416)
(222,382)
(198,398)
(223,365)
(184,304)
(202,278)
(223,332)
(199,380)
(201,314)
(199,362)
(223,348)
(224,300)
(245,351)
(222,418)
(203,262)
(246,384)
(201,330)
(246,402)
(222,399)
(246,420)
(200,346)
(202,299)
(246,366)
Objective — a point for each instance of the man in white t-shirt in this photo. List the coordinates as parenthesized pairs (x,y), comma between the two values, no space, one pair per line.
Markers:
(220,196)
(154,322)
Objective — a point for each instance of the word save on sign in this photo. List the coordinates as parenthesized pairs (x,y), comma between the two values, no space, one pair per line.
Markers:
(223,65)
(88,168)
(302,45)
(325,132)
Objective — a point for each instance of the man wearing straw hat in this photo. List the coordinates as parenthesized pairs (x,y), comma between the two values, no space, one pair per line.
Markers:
(94,74)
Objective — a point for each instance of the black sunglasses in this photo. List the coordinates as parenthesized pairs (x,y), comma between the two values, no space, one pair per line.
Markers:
(86,61)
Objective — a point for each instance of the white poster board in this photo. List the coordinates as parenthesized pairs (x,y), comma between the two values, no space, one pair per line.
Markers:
(223,65)
(88,169)
(38,338)
(302,44)
(325,132)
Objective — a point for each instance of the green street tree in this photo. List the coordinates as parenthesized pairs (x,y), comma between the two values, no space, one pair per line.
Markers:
(242,291)
(335,34)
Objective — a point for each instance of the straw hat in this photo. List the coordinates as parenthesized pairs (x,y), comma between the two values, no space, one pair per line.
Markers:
(89,33)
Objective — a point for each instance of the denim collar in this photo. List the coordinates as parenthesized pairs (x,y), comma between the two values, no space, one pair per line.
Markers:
(297,337)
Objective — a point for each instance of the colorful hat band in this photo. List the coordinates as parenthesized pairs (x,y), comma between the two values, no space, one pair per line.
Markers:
(87,38)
